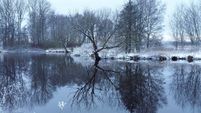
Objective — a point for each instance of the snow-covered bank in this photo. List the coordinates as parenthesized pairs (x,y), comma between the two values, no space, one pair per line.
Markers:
(161,56)
(57,51)
(86,51)
(24,51)
(35,51)
(155,54)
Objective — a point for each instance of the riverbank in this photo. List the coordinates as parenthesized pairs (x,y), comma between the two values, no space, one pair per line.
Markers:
(115,54)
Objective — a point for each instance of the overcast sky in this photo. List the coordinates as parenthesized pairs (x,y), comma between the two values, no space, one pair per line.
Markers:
(64,6)
(71,6)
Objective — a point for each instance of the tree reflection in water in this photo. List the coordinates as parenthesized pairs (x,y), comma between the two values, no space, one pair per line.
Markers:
(13,93)
(28,81)
(186,85)
(141,90)
(135,86)
(96,87)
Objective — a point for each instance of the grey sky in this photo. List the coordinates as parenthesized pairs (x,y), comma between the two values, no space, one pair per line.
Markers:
(66,6)
(70,6)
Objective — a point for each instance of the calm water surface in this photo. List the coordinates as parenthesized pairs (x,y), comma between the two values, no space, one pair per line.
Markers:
(61,84)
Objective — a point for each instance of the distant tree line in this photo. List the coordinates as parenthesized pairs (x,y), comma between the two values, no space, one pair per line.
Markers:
(186,24)
(32,23)
(140,24)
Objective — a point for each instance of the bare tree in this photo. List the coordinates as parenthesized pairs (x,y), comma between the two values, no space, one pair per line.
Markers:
(177,25)
(65,33)
(61,32)
(140,22)
(20,17)
(193,23)
(32,19)
(125,25)
(154,11)
(7,12)
(186,23)
(89,25)
(38,13)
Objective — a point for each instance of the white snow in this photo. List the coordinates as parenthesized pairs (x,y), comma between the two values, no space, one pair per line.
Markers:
(56,51)
(86,50)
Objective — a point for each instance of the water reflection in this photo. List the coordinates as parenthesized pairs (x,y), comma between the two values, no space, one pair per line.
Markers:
(135,86)
(13,92)
(28,81)
(186,85)
(98,85)
(141,90)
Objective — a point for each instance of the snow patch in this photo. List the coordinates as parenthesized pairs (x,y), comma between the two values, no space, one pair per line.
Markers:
(56,51)
(86,50)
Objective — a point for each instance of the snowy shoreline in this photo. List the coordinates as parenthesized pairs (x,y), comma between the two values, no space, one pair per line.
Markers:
(163,54)
(114,54)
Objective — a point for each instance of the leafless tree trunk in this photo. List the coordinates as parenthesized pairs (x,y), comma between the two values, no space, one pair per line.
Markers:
(186,23)
(91,28)
(178,27)
(153,14)
(193,23)
(38,13)
(20,13)
(7,12)
(140,22)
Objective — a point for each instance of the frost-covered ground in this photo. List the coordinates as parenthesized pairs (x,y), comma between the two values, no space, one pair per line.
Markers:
(23,50)
(86,50)
(167,51)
